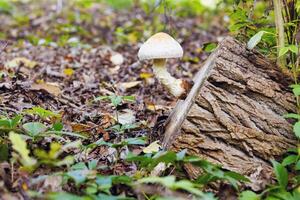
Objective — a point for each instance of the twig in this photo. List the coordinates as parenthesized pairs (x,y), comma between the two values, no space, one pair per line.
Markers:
(182,108)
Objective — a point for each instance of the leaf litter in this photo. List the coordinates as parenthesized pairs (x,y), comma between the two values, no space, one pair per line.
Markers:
(67,79)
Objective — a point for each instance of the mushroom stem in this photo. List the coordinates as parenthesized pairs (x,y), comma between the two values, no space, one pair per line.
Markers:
(173,85)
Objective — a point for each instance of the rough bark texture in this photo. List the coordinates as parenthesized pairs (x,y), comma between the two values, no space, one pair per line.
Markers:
(237,120)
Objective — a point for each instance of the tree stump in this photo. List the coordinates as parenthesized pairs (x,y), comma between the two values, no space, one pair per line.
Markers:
(236,118)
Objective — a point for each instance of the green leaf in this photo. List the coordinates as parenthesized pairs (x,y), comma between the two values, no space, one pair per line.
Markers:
(297,167)
(283,51)
(79,176)
(167,181)
(3,152)
(15,121)
(206,178)
(236,176)
(292,115)
(79,166)
(10,123)
(210,47)
(135,141)
(58,126)
(20,146)
(296,90)
(129,98)
(42,113)
(188,186)
(281,173)
(116,100)
(255,39)
(104,183)
(34,128)
(289,160)
(180,155)
(248,195)
(297,129)
(110,197)
(122,180)
(5,123)
(293,48)
(101,98)
(92,164)
(72,134)
(65,196)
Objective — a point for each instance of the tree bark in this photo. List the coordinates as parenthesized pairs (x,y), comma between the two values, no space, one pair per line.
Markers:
(237,118)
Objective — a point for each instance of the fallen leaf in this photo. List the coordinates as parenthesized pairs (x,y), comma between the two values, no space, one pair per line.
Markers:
(68,71)
(104,133)
(51,88)
(152,148)
(153,107)
(16,62)
(76,127)
(126,116)
(128,85)
(53,183)
(117,59)
(145,75)
(107,120)
(132,37)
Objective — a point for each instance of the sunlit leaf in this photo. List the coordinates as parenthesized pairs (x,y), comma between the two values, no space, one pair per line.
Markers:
(21,61)
(152,148)
(297,129)
(255,39)
(20,146)
(283,51)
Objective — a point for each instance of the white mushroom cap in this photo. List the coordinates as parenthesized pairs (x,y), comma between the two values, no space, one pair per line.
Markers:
(161,45)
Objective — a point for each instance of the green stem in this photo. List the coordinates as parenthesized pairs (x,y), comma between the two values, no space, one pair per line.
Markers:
(280,32)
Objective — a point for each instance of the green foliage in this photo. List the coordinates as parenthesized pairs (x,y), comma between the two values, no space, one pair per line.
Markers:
(34,128)
(248,195)
(5,6)
(20,146)
(255,39)
(10,123)
(115,99)
(42,113)
(120,4)
(171,183)
(281,174)
(210,47)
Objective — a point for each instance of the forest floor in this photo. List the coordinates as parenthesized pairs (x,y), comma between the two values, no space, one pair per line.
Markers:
(85,58)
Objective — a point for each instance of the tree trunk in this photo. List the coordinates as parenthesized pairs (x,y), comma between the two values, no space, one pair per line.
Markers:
(237,118)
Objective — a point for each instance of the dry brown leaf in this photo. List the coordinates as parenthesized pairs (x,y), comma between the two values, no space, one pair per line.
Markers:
(153,107)
(76,127)
(128,85)
(104,133)
(107,120)
(51,88)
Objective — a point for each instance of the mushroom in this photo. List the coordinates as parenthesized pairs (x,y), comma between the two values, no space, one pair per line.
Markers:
(158,48)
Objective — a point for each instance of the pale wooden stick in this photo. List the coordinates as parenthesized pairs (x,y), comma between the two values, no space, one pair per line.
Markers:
(182,108)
